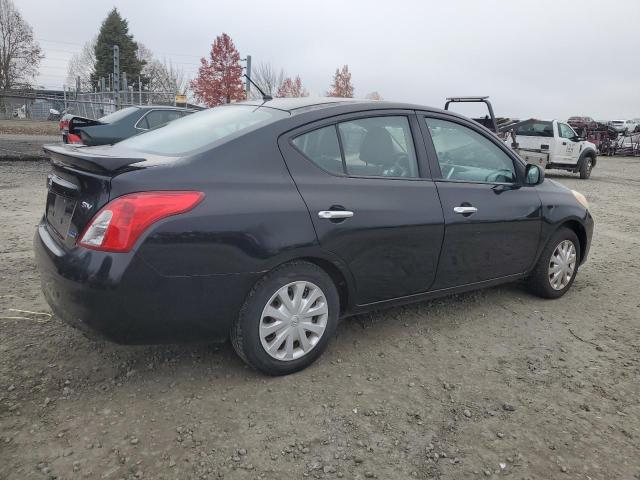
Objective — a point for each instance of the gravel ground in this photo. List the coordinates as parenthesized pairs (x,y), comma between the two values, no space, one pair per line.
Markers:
(482,385)
(17,146)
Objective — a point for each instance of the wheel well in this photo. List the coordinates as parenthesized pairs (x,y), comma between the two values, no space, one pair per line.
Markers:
(592,154)
(580,232)
(337,277)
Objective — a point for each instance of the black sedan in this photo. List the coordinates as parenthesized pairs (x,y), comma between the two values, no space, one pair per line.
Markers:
(118,125)
(268,222)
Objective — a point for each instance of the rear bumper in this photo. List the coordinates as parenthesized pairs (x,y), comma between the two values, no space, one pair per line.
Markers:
(122,298)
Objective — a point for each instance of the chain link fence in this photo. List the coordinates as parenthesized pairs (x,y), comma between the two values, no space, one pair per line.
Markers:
(34,106)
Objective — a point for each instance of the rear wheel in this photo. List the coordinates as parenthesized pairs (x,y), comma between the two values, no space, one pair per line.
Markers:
(557,266)
(287,319)
(585,167)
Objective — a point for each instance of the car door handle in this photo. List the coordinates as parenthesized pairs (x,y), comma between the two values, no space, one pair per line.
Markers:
(333,214)
(465,210)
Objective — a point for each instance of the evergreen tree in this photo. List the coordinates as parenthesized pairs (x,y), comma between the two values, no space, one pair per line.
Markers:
(115,31)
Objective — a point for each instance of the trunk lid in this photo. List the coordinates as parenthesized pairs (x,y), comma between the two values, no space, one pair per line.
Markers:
(78,186)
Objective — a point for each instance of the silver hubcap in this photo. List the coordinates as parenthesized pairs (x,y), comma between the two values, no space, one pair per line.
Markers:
(562,264)
(293,321)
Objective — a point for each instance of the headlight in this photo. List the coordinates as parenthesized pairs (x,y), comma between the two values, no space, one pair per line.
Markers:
(580,198)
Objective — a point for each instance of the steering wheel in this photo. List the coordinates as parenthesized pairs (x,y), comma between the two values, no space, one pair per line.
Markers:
(398,169)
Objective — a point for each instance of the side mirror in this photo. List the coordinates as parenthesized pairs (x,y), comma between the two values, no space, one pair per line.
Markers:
(534,175)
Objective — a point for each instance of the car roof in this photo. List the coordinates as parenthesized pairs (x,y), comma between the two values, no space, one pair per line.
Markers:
(304,104)
(163,107)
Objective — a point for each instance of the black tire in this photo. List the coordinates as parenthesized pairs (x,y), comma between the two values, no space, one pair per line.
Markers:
(539,282)
(586,165)
(245,333)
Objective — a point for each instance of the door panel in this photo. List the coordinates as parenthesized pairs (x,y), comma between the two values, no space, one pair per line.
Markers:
(569,149)
(492,224)
(500,239)
(392,242)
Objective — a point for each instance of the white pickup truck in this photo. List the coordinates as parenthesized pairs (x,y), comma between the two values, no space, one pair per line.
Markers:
(552,144)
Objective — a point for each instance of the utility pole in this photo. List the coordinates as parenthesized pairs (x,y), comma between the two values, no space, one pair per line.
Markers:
(116,74)
(247,82)
(125,87)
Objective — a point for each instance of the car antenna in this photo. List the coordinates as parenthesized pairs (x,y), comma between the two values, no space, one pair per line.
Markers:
(265,97)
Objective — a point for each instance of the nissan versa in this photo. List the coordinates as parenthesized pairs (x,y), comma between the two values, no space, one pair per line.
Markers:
(267,222)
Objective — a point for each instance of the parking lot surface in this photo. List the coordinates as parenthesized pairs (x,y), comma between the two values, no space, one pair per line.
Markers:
(482,385)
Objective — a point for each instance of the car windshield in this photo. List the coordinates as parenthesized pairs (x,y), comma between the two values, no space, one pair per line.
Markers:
(202,129)
(535,128)
(115,116)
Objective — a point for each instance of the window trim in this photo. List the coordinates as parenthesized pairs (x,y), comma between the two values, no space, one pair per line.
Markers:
(569,127)
(421,156)
(518,164)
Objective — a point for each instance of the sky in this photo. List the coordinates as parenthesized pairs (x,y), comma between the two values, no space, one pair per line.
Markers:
(543,59)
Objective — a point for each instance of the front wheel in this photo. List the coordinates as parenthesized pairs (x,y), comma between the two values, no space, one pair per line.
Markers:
(585,167)
(287,319)
(557,266)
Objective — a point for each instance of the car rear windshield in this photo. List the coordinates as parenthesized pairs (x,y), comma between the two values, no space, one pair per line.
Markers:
(535,128)
(115,116)
(194,132)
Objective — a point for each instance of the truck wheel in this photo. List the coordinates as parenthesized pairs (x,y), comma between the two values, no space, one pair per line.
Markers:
(585,167)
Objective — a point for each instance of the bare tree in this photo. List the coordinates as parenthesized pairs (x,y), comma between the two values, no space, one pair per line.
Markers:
(163,76)
(20,54)
(82,64)
(268,78)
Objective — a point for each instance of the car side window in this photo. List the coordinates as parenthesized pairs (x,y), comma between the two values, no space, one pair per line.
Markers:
(322,148)
(379,147)
(157,118)
(565,131)
(373,147)
(466,155)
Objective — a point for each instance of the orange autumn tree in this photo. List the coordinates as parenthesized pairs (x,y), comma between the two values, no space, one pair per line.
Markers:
(219,79)
(341,86)
(292,88)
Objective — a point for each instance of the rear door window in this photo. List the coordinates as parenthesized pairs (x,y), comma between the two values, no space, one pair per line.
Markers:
(372,147)
(535,128)
(157,118)
(379,147)
(322,148)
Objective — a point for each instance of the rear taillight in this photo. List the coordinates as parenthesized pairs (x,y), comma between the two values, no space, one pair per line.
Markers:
(119,224)
(73,138)
(63,124)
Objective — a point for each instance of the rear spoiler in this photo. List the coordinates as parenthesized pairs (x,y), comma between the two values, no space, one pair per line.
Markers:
(71,156)
(79,122)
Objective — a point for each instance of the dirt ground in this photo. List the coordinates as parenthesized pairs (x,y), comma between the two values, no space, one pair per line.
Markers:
(29,127)
(23,139)
(482,385)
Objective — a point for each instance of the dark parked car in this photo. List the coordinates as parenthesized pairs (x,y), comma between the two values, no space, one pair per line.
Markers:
(268,222)
(118,125)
